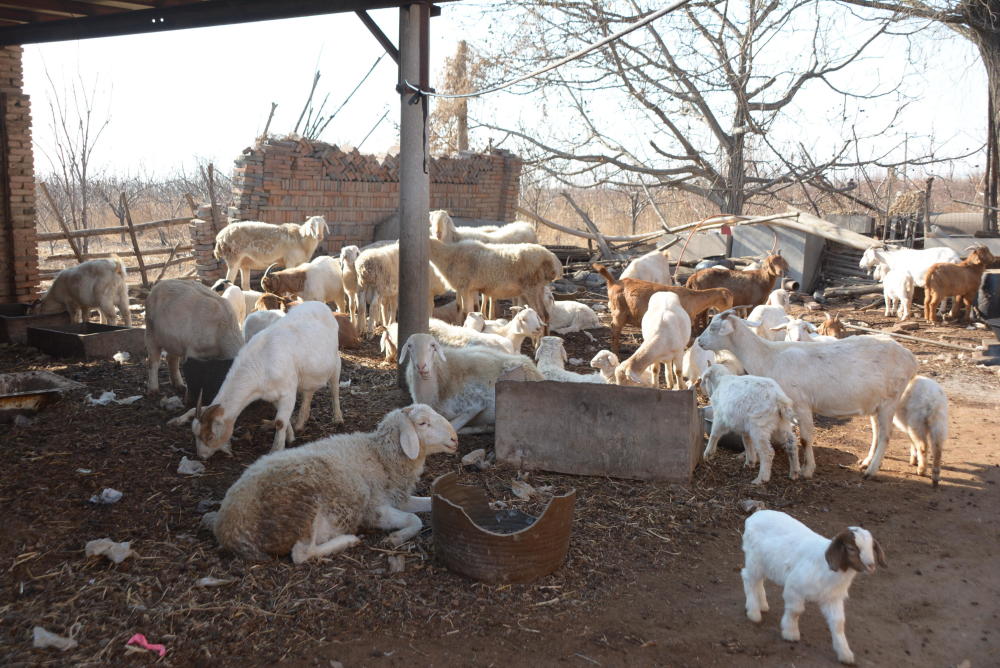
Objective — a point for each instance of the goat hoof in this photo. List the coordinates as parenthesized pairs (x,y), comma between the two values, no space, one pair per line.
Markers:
(754,617)
(847,659)
(790,636)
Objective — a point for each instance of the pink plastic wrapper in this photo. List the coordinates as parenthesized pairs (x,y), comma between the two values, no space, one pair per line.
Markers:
(140,640)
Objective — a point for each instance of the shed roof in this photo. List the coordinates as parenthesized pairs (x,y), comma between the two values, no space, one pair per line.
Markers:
(35,21)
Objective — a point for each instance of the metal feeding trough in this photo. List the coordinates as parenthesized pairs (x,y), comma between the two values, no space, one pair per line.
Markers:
(203,377)
(502,546)
(14,322)
(30,391)
(89,340)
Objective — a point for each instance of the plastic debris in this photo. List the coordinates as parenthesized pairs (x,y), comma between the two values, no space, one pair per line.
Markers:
(522,490)
(210,581)
(397,563)
(474,457)
(751,505)
(140,640)
(189,467)
(345,383)
(109,397)
(116,552)
(44,639)
(85,471)
(172,403)
(121,357)
(107,496)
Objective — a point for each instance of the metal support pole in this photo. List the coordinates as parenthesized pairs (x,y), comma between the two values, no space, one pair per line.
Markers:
(414,181)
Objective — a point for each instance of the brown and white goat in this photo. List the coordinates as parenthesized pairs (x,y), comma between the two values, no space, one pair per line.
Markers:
(831,326)
(318,280)
(272,302)
(960,281)
(92,284)
(749,288)
(255,245)
(628,299)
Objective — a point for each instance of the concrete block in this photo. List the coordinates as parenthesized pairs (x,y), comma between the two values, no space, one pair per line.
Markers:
(605,430)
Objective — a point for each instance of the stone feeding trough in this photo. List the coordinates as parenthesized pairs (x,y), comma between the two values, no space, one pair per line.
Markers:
(499,546)
(30,391)
(15,321)
(89,340)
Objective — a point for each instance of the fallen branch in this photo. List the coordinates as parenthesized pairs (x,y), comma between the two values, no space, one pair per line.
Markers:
(601,241)
(587,235)
(912,338)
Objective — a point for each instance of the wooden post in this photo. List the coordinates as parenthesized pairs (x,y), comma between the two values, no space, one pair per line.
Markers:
(62,223)
(135,242)
(210,177)
(601,243)
(190,200)
(166,264)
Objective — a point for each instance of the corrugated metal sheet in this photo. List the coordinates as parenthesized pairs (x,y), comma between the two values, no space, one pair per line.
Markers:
(839,265)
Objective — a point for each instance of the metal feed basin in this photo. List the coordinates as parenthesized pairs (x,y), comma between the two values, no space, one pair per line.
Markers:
(30,391)
(14,322)
(89,340)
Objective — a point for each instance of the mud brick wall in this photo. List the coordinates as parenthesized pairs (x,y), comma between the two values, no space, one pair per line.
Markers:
(288,180)
(18,245)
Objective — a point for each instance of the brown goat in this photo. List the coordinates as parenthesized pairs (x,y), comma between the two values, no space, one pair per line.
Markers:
(286,281)
(347,334)
(831,326)
(749,288)
(960,281)
(271,302)
(628,299)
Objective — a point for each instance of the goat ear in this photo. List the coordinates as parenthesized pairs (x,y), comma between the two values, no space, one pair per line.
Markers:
(780,327)
(811,327)
(537,352)
(879,554)
(404,352)
(564,355)
(408,440)
(836,554)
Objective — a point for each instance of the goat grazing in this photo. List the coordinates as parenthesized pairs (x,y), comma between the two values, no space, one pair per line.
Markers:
(859,375)
(628,300)
(309,501)
(255,245)
(298,353)
(755,408)
(318,280)
(666,328)
(960,281)
(810,567)
(187,319)
(96,284)
(749,288)
(550,358)
(923,414)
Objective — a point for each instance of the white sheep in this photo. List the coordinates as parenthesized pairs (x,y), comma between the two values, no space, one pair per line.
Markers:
(755,408)
(809,567)
(96,284)
(550,358)
(654,267)
(771,314)
(457,337)
(459,383)
(258,321)
(897,290)
(567,316)
(524,324)
(187,319)
(666,328)
(317,280)
(378,282)
(255,245)
(234,297)
(923,415)
(859,375)
(797,329)
(349,274)
(298,353)
(250,297)
(606,362)
(443,229)
(310,501)
(914,262)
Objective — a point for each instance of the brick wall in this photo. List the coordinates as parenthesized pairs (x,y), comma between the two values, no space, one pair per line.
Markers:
(18,248)
(288,180)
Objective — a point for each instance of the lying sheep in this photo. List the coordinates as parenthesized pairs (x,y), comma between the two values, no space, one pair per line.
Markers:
(567,316)
(96,284)
(310,501)
(255,245)
(550,358)
(524,324)
(459,382)
(187,319)
(458,337)
(771,314)
(606,362)
(318,280)
(923,414)
(809,567)
(797,329)
(755,408)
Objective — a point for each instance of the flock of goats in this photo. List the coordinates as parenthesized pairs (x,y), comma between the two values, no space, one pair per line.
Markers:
(762,373)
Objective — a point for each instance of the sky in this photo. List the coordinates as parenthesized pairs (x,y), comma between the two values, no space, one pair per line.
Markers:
(174,98)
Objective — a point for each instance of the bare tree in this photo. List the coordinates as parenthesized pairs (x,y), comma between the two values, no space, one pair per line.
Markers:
(449,121)
(706,100)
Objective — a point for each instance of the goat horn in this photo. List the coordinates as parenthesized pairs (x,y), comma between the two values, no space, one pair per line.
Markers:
(775,235)
(266,271)
(197,408)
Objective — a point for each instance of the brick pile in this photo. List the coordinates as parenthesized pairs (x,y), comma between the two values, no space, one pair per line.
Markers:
(18,260)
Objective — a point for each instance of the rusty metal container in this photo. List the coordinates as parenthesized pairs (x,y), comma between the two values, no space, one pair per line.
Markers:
(500,546)
(14,322)
(89,340)
(30,391)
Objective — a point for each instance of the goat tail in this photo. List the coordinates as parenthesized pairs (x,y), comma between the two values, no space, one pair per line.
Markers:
(603,271)
(786,412)
(120,268)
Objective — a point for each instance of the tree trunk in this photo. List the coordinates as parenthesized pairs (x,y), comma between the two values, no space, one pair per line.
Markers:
(988,43)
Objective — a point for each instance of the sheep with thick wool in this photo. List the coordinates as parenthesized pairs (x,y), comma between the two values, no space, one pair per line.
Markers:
(378,284)
(809,567)
(459,383)
(96,284)
(550,359)
(758,410)
(310,501)
(251,245)
(923,415)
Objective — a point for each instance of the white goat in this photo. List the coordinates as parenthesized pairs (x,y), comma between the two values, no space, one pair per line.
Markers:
(654,267)
(550,358)
(771,314)
(809,567)
(459,382)
(443,229)
(567,316)
(234,297)
(696,362)
(187,319)
(897,289)
(298,353)
(96,284)
(755,408)
(250,297)
(606,362)
(349,272)
(859,375)
(923,414)
(458,337)
(523,325)
(255,245)
(666,328)
(258,321)
(797,329)
(912,261)
(317,280)
(325,491)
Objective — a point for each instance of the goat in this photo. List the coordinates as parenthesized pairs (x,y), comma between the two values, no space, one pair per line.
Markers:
(666,328)
(255,245)
(749,288)
(912,261)
(923,415)
(960,281)
(318,280)
(92,284)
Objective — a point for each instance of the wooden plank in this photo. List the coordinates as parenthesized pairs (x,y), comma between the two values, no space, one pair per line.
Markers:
(45,275)
(135,242)
(164,250)
(62,223)
(100,231)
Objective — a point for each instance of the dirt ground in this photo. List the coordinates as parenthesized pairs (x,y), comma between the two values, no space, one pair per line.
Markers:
(652,575)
